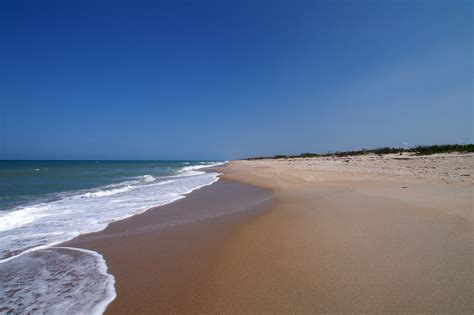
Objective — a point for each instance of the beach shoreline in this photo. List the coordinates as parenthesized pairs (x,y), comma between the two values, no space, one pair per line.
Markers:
(155,266)
(334,239)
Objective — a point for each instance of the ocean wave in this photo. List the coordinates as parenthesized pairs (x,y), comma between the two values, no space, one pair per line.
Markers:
(202,165)
(103,193)
(71,215)
(119,188)
(16,219)
(36,276)
(148,178)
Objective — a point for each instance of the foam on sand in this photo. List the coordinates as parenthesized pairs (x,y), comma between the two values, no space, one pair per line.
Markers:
(59,280)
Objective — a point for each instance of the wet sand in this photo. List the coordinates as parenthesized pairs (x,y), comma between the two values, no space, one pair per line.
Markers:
(164,269)
(334,241)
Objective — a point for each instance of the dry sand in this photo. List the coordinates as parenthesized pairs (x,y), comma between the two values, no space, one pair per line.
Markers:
(372,234)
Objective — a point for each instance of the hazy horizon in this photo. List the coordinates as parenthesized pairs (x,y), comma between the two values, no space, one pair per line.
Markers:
(215,80)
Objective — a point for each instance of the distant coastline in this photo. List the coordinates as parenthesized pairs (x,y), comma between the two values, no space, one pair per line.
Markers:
(418,150)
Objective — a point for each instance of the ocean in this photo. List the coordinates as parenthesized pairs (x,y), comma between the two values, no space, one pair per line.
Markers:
(45,203)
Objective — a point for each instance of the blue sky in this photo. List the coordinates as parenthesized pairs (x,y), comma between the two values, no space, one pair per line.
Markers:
(230,79)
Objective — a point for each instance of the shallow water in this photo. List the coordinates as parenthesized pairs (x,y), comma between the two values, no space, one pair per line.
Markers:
(45,203)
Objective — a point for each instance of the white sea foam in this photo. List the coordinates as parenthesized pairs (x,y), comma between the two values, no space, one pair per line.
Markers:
(53,280)
(122,187)
(27,234)
(148,178)
(66,218)
(201,166)
(15,219)
(108,192)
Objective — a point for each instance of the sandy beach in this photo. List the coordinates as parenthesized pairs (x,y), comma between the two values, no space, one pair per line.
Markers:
(164,269)
(371,233)
(237,157)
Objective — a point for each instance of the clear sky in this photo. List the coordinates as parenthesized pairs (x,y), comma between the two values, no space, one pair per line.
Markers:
(229,79)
